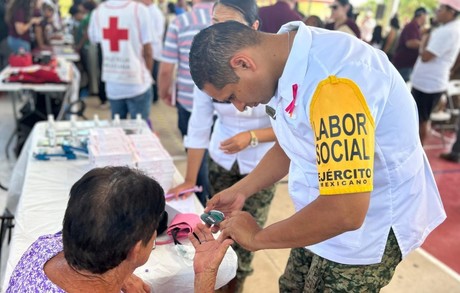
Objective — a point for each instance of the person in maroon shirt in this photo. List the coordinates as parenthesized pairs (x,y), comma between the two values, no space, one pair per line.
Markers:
(409,42)
(274,16)
(343,18)
(20,19)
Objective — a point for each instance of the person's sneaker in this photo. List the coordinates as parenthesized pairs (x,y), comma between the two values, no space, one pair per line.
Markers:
(451,157)
(104,106)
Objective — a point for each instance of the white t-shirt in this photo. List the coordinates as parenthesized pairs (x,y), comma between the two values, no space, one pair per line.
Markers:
(129,21)
(229,122)
(158,30)
(354,129)
(433,76)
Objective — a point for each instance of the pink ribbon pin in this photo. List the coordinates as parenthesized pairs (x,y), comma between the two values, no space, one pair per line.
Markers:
(290,108)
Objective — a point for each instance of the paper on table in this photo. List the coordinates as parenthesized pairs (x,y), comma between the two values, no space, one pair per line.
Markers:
(184,205)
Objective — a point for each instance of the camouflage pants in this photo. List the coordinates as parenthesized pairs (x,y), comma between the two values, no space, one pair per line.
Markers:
(257,205)
(308,272)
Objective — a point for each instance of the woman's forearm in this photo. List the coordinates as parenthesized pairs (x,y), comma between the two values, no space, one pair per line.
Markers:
(205,282)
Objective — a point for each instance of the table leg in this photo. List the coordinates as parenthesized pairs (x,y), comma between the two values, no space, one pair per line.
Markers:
(48,105)
(14,96)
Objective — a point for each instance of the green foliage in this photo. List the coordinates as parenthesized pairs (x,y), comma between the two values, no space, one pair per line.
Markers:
(407,7)
(405,10)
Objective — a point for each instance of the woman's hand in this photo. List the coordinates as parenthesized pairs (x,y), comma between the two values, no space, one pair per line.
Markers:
(184,186)
(35,20)
(236,143)
(209,252)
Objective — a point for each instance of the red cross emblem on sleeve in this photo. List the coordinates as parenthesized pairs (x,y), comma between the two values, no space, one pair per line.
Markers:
(114,34)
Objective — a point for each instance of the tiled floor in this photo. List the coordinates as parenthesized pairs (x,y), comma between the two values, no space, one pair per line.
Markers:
(417,273)
(444,242)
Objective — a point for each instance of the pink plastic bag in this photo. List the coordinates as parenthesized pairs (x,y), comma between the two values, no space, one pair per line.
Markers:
(180,227)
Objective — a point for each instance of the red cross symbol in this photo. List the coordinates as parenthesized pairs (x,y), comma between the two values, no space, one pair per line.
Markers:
(114,35)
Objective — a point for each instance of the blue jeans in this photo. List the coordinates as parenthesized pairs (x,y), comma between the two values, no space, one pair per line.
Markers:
(203,173)
(138,104)
(405,73)
(16,43)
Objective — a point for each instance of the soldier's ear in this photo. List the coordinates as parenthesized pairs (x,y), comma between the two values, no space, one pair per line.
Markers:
(241,61)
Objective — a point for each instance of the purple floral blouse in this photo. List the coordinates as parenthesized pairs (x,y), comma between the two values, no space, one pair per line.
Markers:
(29,276)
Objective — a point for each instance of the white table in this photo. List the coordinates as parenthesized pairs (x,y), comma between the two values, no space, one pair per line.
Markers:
(41,189)
(66,52)
(68,71)
(67,39)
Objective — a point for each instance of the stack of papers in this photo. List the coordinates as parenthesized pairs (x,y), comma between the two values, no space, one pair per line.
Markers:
(113,147)
(150,157)
(109,147)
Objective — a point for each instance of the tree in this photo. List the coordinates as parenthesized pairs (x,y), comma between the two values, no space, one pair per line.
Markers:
(407,7)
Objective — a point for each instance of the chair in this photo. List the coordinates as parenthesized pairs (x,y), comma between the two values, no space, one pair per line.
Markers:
(449,118)
(76,108)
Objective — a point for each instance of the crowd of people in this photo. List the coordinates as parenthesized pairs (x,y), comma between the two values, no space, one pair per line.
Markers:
(259,93)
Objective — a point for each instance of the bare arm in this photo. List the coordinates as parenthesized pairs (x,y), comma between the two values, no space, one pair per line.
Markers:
(242,140)
(389,42)
(209,254)
(148,56)
(272,168)
(194,158)
(39,36)
(164,83)
(425,55)
(324,218)
(265,134)
(205,282)
(413,44)
(22,27)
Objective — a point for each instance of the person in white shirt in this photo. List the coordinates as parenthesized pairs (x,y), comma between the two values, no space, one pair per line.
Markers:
(238,141)
(158,22)
(346,131)
(438,53)
(124,30)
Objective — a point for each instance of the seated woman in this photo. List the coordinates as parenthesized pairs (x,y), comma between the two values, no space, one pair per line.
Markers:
(109,230)
(20,19)
(46,30)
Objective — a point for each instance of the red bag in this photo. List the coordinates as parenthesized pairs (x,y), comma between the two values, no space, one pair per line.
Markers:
(180,227)
(42,75)
(20,60)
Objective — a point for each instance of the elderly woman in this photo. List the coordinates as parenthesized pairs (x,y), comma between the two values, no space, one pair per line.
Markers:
(109,230)
(343,18)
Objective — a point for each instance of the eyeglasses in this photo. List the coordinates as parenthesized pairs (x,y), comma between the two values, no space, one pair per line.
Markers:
(154,244)
(334,7)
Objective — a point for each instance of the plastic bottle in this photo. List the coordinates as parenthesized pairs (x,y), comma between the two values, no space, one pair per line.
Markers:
(97,122)
(51,130)
(73,129)
(139,123)
(116,120)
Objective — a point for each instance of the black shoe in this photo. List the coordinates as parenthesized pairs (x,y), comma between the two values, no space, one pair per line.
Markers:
(451,157)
